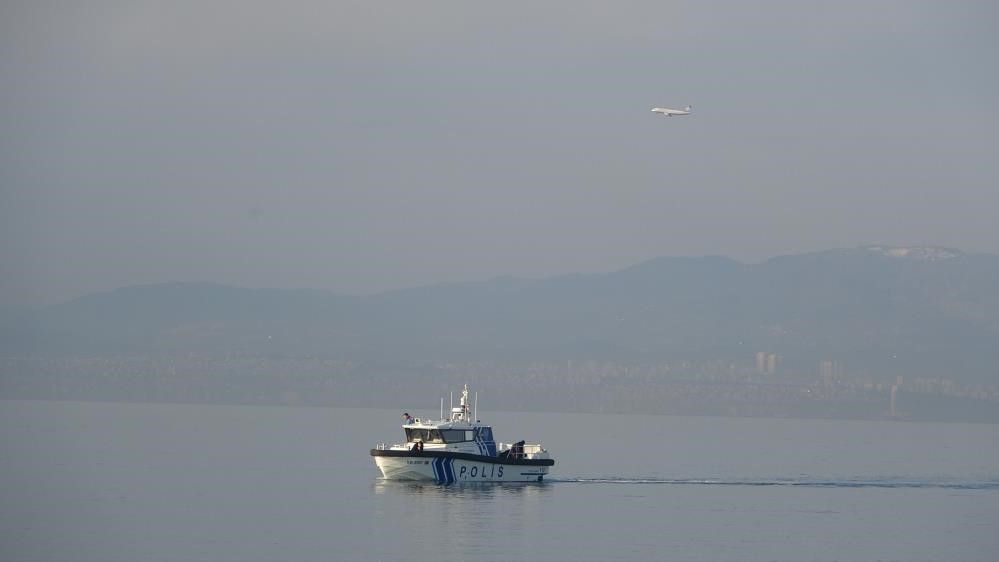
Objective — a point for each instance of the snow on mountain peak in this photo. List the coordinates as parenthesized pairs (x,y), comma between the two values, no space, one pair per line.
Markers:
(921,253)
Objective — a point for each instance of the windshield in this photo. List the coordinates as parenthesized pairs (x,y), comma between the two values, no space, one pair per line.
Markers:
(414,434)
(424,435)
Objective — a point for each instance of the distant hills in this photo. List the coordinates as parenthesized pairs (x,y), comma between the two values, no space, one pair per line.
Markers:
(924,311)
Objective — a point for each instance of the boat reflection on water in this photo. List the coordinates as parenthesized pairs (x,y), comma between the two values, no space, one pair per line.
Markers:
(470,489)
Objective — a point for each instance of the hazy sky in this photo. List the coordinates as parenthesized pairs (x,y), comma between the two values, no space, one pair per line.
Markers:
(362,146)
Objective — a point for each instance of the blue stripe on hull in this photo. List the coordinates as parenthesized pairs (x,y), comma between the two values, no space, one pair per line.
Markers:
(443,470)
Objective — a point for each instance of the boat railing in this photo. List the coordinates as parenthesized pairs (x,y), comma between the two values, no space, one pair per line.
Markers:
(516,450)
(386,446)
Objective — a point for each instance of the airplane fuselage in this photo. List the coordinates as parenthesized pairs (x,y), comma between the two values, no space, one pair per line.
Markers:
(671,112)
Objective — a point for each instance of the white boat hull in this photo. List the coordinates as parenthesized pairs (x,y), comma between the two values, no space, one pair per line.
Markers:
(447,469)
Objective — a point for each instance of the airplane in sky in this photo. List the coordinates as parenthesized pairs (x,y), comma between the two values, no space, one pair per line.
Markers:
(667,112)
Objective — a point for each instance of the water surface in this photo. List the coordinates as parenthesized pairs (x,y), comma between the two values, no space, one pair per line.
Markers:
(111,481)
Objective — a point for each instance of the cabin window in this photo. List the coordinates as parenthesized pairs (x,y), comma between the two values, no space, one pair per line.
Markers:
(486,433)
(425,435)
(416,434)
(453,435)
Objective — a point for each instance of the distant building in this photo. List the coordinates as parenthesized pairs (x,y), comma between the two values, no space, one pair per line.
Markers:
(772,361)
(766,363)
(830,371)
(826,371)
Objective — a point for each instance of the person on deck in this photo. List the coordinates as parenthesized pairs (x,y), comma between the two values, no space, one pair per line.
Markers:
(408,419)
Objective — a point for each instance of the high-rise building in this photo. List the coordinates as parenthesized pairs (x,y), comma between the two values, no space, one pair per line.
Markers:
(830,370)
(826,370)
(772,361)
(761,362)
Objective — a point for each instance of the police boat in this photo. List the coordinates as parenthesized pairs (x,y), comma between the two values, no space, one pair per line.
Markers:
(459,448)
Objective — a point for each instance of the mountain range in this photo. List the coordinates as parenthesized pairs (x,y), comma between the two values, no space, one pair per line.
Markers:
(880,309)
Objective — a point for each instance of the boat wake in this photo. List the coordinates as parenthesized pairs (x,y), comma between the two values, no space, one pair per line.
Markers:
(804,483)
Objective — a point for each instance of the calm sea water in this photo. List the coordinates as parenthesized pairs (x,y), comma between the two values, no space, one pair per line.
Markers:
(131,482)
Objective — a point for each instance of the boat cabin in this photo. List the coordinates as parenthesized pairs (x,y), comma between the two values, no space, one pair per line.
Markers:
(435,435)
